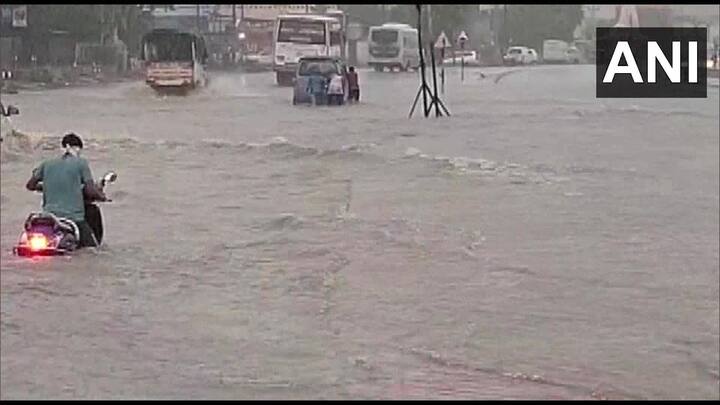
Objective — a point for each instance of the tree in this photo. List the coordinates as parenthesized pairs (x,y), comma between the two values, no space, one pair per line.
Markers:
(450,18)
(589,26)
(530,25)
(369,14)
(87,22)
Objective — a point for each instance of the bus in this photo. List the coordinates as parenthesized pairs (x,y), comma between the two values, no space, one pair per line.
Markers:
(174,60)
(300,35)
(393,45)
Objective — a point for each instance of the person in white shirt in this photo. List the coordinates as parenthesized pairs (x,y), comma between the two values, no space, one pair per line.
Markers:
(335,91)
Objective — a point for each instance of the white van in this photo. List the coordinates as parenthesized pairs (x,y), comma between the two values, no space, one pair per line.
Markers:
(520,55)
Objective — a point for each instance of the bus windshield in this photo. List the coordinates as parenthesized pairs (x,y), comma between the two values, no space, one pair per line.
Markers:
(168,48)
(302,31)
(384,36)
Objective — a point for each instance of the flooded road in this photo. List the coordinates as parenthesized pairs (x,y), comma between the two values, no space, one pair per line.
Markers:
(540,243)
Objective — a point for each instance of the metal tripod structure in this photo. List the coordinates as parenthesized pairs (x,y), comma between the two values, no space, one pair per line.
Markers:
(427,93)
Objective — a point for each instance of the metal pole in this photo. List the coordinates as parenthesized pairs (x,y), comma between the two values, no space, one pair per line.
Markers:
(197,18)
(430,30)
(102,23)
(462,61)
(435,96)
(442,72)
(504,29)
(234,34)
(422,60)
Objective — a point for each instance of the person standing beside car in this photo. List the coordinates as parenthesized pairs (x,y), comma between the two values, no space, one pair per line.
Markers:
(317,86)
(353,85)
(336,94)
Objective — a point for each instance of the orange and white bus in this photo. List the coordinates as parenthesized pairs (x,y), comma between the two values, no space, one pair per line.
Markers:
(174,60)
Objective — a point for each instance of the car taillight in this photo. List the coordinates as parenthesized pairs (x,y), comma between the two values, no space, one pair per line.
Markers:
(38,241)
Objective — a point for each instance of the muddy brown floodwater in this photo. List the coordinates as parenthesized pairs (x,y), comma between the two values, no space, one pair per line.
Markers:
(540,243)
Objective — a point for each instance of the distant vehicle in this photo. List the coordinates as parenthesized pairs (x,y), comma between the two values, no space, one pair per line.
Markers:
(327,65)
(174,60)
(713,59)
(554,51)
(393,46)
(259,61)
(301,35)
(558,51)
(6,125)
(586,49)
(469,58)
(573,55)
(520,55)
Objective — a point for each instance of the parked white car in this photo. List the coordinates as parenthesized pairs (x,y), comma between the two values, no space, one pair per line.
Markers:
(520,55)
(469,58)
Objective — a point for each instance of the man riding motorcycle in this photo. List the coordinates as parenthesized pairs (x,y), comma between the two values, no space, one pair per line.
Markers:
(65,181)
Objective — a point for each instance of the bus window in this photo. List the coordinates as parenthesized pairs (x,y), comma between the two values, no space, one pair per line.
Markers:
(307,32)
(335,38)
(410,41)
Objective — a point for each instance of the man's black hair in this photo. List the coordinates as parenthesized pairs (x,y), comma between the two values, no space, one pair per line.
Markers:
(72,140)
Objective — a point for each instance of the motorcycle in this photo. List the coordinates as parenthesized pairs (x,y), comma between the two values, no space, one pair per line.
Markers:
(48,235)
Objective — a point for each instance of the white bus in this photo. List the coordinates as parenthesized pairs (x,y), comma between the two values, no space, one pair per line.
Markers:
(174,60)
(300,35)
(393,46)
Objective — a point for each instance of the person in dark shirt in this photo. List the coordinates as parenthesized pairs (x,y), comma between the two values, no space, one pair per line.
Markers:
(353,85)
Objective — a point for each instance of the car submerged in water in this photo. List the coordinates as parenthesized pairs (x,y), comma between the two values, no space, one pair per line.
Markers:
(326,66)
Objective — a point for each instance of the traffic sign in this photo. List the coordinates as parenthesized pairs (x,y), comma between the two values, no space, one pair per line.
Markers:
(442,41)
(462,37)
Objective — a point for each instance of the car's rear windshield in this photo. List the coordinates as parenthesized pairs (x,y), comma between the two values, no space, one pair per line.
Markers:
(317,67)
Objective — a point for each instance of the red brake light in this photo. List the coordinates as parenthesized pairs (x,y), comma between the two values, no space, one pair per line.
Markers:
(38,241)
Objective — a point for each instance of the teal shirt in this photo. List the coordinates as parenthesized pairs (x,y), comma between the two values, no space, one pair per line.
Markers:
(63,179)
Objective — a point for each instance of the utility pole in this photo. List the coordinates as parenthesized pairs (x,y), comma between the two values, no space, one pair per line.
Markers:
(235,38)
(102,24)
(430,29)
(505,30)
(197,18)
